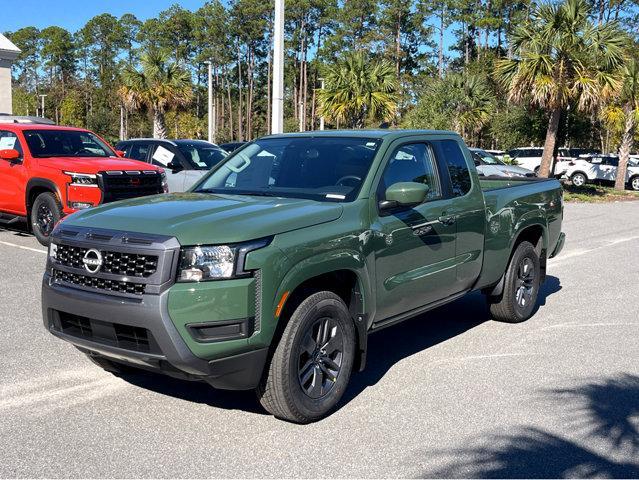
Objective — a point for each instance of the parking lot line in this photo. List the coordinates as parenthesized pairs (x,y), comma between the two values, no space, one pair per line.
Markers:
(8,244)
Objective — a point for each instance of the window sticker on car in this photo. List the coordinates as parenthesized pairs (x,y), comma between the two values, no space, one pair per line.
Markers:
(7,143)
(163,156)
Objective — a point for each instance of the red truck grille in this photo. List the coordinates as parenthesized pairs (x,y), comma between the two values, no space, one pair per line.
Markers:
(122,185)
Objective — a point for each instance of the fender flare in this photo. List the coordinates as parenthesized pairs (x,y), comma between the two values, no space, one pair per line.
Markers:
(40,182)
(324,263)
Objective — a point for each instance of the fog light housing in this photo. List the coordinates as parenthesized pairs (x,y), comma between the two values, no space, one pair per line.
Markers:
(80,205)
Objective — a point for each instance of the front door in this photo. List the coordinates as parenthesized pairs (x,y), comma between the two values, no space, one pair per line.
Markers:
(415,247)
(12,176)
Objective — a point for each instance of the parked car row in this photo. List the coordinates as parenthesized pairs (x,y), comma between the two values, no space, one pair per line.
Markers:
(602,169)
(49,171)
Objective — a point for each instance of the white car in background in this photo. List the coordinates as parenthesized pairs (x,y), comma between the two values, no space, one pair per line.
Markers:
(490,166)
(184,161)
(527,157)
(601,168)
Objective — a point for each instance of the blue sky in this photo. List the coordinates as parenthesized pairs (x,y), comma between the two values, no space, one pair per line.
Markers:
(73,14)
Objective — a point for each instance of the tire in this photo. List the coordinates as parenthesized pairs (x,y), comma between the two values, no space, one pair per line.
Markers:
(536,170)
(578,179)
(521,287)
(304,381)
(46,211)
(634,183)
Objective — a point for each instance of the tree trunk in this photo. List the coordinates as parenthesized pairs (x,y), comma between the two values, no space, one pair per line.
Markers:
(159,126)
(627,141)
(549,144)
(122,134)
(240,135)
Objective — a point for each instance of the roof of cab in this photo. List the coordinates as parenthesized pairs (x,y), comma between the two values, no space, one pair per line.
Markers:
(379,133)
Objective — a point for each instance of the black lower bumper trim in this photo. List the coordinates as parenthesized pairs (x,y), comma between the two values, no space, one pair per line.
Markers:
(239,372)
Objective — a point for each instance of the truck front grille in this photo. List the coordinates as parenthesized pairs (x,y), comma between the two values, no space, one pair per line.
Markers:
(122,185)
(99,283)
(107,333)
(117,263)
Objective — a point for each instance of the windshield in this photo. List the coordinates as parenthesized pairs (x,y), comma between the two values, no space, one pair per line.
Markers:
(66,143)
(320,168)
(487,158)
(202,157)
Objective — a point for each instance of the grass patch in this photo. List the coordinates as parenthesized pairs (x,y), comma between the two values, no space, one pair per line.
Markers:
(597,194)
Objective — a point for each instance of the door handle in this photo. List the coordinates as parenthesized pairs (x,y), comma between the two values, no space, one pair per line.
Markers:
(447,219)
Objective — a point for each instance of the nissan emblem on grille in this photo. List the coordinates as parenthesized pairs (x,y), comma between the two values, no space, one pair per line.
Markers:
(92,260)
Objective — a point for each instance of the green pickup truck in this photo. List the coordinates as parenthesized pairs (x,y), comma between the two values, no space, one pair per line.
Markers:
(270,273)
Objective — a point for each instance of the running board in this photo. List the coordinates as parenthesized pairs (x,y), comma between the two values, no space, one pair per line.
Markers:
(413,313)
(7,219)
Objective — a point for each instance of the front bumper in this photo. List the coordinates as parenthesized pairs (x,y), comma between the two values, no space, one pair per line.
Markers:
(149,336)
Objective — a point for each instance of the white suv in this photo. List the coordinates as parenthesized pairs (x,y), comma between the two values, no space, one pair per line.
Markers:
(527,157)
(601,168)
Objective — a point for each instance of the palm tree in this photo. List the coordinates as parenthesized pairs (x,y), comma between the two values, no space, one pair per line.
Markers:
(561,58)
(472,103)
(359,90)
(629,113)
(160,85)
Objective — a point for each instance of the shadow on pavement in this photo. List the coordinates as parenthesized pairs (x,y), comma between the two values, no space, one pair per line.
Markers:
(385,348)
(607,409)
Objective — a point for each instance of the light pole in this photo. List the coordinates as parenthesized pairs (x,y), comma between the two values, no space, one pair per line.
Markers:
(322,117)
(211,106)
(277,110)
(42,104)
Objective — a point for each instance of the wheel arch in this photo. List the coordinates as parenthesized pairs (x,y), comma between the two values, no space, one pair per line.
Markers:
(36,186)
(344,274)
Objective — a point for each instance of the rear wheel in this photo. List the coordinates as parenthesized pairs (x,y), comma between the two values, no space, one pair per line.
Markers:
(634,183)
(521,286)
(45,213)
(312,364)
(578,179)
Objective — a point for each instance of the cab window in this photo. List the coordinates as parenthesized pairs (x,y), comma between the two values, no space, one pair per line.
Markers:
(412,163)
(452,156)
(9,140)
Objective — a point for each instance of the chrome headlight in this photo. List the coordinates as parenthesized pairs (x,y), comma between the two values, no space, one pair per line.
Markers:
(215,262)
(82,179)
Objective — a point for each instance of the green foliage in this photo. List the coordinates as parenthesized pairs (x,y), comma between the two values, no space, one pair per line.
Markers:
(72,111)
(359,90)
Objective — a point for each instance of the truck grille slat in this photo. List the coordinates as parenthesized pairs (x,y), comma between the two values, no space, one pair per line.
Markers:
(117,263)
(129,184)
(99,283)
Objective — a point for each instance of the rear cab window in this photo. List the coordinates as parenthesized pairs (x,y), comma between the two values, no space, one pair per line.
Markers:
(450,154)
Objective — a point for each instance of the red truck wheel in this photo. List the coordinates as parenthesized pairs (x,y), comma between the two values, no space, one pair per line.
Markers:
(45,213)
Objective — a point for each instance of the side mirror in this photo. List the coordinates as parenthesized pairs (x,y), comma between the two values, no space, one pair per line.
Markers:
(404,194)
(120,153)
(9,154)
(175,166)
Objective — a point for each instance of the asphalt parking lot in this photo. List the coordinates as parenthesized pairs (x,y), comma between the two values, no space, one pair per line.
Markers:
(451,393)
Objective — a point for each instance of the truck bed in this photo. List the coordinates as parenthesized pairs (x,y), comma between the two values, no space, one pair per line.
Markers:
(510,206)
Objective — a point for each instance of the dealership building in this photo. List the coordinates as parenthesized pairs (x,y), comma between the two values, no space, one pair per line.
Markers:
(8,53)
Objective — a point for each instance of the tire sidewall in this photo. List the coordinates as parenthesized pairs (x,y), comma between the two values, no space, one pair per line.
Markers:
(525,250)
(634,184)
(316,408)
(50,200)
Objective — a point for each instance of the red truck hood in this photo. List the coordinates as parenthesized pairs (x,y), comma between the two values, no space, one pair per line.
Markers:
(93,165)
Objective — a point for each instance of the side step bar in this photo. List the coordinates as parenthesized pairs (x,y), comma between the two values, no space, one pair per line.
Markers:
(7,219)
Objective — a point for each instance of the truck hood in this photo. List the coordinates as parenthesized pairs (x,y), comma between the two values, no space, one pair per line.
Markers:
(93,165)
(198,218)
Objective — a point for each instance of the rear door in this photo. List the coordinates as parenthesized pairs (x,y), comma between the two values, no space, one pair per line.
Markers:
(415,248)
(13,176)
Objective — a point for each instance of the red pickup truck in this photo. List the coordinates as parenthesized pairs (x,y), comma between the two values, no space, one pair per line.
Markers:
(48,171)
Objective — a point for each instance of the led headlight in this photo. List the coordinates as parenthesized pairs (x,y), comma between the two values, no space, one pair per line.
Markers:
(82,179)
(216,262)
(206,263)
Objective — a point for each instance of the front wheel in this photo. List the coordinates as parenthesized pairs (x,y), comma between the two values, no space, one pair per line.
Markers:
(578,179)
(312,363)
(521,286)
(634,183)
(45,213)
